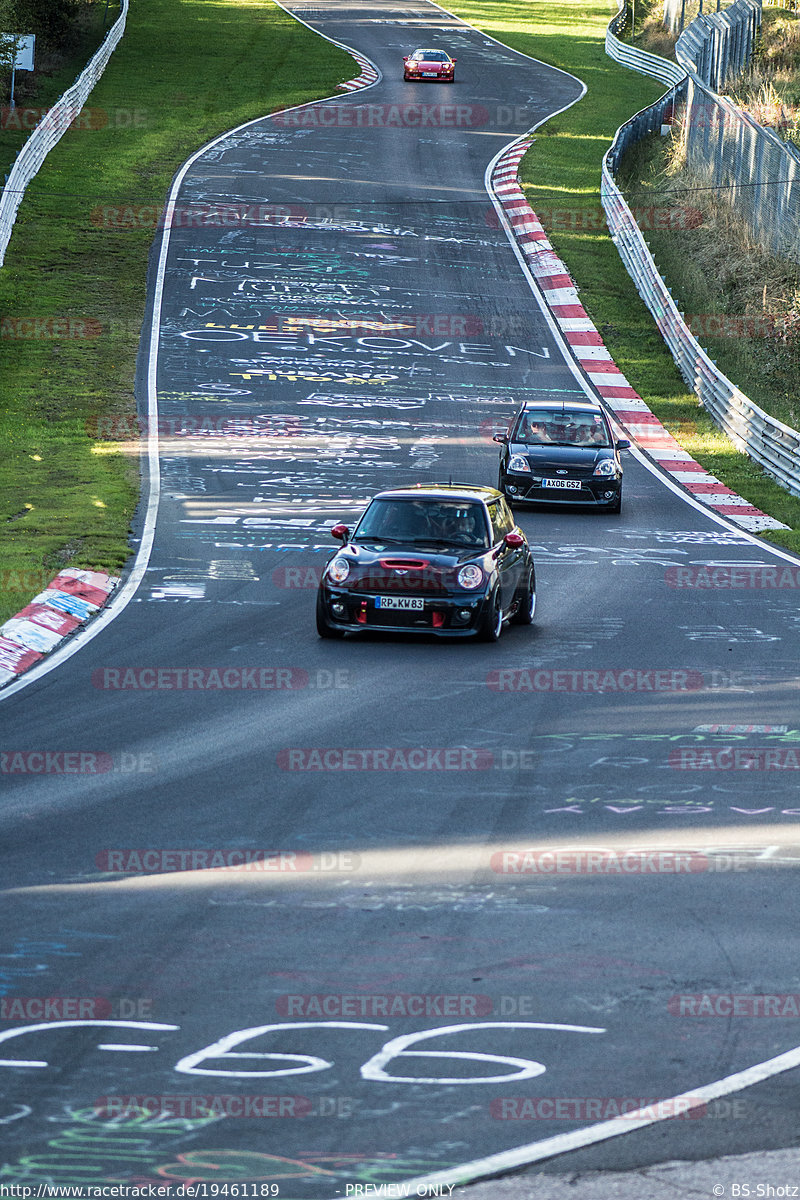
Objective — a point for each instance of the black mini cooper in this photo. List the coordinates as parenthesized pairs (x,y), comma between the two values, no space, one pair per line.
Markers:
(559,453)
(442,559)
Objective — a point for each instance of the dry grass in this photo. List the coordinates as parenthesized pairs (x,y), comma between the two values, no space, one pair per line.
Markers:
(653,37)
(770,88)
(717,268)
(779,45)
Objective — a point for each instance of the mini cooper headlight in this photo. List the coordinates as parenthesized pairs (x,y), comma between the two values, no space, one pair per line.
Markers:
(518,462)
(470,577)
(606,466)
(338,570)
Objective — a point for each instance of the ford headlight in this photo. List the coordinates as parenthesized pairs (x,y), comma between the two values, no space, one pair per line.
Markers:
(470,577)
(606,466)
(518,462)
(338,570)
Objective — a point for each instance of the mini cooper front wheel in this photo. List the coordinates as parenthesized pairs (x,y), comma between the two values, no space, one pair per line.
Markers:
(526,600)
(491,626)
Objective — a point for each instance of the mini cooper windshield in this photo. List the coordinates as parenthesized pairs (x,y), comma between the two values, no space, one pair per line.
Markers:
(424,522)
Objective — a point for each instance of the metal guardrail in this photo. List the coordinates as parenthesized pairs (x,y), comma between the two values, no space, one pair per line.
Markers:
(52,128)
(642,124)
(717,45)
(770,443)
(758,171)
(638,60)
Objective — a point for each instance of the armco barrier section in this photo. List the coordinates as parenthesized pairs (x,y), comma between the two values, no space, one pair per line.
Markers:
(643,124)
(756,170)
(773,445)
(52,128)
(718,45)
(638,60)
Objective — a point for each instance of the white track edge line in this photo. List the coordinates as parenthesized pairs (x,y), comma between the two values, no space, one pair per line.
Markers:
(122,596)
(507,1160)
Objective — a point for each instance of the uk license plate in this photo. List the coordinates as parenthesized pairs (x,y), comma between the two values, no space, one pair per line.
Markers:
(570,484)
(403,603)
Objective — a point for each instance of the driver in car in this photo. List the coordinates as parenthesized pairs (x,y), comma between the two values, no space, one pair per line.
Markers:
(443,522)
(536,431)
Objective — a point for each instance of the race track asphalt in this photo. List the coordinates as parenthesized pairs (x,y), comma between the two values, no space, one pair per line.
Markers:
(360,320)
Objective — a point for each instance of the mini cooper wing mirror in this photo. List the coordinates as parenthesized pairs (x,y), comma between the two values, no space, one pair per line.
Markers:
(340,532)
(623,444)
(502,438)
(515,540)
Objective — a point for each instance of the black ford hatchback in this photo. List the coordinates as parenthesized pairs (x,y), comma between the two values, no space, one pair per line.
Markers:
(559,453)
(446,559)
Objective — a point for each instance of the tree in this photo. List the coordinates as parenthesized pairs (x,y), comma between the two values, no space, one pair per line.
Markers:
(53,21)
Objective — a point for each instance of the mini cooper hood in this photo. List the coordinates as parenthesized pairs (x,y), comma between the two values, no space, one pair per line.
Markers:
(409,557)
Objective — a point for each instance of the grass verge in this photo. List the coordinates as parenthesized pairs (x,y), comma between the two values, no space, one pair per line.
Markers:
(560,175)
(72,293)
(55,71)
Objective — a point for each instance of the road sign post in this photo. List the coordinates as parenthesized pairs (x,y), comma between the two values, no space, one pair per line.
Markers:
(21,47)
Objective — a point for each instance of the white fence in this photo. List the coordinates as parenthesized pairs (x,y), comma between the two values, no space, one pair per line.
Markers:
(51,129)
(769,442)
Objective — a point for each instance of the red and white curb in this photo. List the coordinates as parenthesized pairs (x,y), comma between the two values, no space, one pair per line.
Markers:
(561,296)
(369,74)
(66,604)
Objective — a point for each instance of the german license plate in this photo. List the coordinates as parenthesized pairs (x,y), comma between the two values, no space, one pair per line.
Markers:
(404,603)
(570,484)
(434,73)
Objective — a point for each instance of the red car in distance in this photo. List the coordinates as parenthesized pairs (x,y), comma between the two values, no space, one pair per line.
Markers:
(429,64)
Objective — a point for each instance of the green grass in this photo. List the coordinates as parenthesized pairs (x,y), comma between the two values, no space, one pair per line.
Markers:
(185,71)
(560,175)
(35,91)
